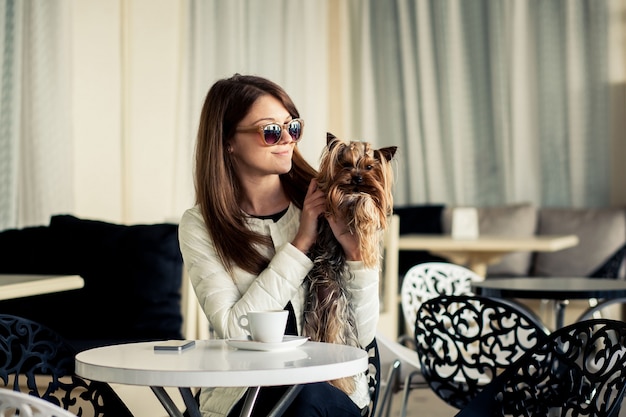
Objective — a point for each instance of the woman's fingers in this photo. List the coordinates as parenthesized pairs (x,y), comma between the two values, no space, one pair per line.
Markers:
(313,207)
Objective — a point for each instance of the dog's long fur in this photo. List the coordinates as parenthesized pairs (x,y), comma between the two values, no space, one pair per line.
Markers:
(357,182)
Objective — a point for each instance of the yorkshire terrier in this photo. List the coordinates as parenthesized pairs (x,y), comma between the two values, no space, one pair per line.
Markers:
(356,180)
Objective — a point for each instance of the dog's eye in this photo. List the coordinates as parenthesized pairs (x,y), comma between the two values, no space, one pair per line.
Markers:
(369,167)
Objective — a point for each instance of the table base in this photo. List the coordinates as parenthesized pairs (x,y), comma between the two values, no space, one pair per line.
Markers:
(170,406)
(246,411)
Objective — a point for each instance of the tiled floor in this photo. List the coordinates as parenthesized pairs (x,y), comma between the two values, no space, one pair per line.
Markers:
(422,403)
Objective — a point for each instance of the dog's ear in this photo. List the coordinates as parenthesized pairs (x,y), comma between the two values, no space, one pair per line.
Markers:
(388,152)
(331,142)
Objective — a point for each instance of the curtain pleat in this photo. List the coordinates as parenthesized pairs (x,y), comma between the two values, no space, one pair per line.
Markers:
(36,139)
(499,102)
(283,40)
(10,103)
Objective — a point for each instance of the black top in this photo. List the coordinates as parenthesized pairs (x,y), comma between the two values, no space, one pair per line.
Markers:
(276,216)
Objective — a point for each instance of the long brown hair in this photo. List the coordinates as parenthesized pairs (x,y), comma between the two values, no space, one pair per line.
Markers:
(218,191)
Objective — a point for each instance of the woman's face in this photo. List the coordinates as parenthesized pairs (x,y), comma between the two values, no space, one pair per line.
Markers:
(252,157)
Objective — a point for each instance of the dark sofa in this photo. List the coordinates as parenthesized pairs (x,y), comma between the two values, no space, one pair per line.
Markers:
(418,219)
(133,277)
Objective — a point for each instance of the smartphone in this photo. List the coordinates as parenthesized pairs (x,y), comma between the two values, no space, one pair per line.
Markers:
(174,345)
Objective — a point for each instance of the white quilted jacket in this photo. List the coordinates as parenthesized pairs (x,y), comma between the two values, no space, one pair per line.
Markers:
(225,297)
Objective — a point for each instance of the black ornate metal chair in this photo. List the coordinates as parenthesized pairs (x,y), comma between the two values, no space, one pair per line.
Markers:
(420,283)
(429,280)
(465,341)
(579,370)
(36,360)
(373,376)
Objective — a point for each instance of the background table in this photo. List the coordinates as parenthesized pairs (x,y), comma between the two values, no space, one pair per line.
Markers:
(484,250)
(212,363)
(559,289)
(16,286)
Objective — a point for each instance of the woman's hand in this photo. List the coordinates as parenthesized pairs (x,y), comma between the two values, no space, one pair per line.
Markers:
(314,205)
(347,240)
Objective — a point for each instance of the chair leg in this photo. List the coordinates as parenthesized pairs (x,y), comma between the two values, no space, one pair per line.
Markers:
(405,395)
(385,405)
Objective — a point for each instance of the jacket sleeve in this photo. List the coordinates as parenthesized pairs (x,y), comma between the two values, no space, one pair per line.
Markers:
(363,287)
(225,297)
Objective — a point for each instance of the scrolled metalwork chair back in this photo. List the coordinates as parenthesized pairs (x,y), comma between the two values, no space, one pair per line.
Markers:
(429,280)
(463,342)
(37,360)
(580,370)
(373,376)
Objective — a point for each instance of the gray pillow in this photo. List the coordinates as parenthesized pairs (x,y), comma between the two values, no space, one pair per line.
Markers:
(601,233)
(512,220)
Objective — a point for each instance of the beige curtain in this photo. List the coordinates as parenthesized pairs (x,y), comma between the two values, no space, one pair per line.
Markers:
(495,102)
(36,164)
(283,40)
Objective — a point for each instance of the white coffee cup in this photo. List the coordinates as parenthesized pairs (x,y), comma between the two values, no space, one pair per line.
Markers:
(265,326)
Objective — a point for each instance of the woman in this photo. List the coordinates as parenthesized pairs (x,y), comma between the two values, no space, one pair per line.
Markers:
(245,242)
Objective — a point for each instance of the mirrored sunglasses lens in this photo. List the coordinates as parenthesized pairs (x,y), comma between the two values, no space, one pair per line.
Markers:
(295,129)
(272,133)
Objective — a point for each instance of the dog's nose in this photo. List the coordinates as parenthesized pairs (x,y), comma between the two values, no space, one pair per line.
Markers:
(357,179)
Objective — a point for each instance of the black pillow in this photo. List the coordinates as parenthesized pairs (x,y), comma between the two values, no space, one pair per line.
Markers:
(418,219)
(132,274)
(32,250)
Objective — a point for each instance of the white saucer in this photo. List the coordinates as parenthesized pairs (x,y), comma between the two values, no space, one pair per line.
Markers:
(289,342)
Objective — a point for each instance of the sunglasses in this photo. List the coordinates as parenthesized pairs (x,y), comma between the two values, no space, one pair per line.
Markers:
(272,132)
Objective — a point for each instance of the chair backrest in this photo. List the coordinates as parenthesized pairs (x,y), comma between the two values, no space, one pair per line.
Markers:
(429,280)
(463,342)
(15,403)
(37,360)
(579,370)
(373,375)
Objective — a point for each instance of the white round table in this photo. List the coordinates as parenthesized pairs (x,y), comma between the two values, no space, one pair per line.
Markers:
(213,363)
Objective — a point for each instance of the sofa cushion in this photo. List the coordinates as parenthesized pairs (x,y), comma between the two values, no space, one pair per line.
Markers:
(601,233)
(612,268)
(132,274)
(511,220)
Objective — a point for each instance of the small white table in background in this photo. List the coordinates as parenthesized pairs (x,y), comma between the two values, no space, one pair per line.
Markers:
(17,285)
(478,253)
(212,363)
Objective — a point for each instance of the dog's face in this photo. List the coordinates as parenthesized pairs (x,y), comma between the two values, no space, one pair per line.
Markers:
(357,181)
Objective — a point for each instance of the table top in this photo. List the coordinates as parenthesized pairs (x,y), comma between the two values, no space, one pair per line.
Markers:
(22,285)
(557,288)
(540,243)
(213,363)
